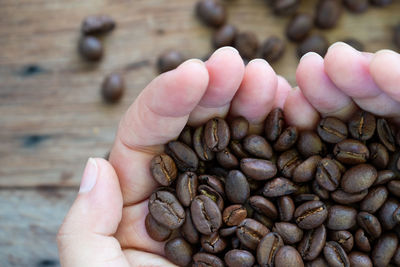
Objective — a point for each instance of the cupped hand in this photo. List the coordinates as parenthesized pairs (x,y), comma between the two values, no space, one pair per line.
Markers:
(105,225)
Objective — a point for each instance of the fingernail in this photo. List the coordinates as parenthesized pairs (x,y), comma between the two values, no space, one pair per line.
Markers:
(193,60)
(227,48)
(89,176)
(339,44)
(308,55)
(260,60)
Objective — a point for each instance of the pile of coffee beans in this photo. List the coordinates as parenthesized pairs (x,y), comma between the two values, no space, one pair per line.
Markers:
(286,197)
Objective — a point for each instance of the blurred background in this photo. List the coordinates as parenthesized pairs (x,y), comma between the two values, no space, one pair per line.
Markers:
(53,117)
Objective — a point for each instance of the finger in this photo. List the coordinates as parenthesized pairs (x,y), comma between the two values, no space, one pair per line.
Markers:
(226,70)
(282,91)
(141,258)
(299,112)
(319,90)
(85,237)
(256,94)
(349,71)
(158,115)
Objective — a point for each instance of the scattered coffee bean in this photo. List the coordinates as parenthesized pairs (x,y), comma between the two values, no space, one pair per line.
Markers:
(247,44)
(362,125)
(250,232)
(211,12)
(358,178)
(299,27)
(343,197)
(203,152)
(272,49)
(379,155)
(328,174)
(285,7)
(113,88)
(359,259)
(290,233)
(332,130)
(288,161)
(234,214)
(188,230)
(178,251)
(369,223)
(213,243)
(286,208)
(341,217)
(206,215)
(96,24)
(335,255)
(184,157)
(385,134)
(155,230)
(163,169)
(239,128)
(216,134)
(374,200)
(274,124)
(343,238)
(356,6)
(258,169)
(169,60)
(91,48)
(279,187)
(239,258)
(288,256)
(384,249)
(224,36)
(354,42)
(310,144)
(351,151)
(328,13)
(267,249)
(306,170)
(312,243)
(237,188)
(362,241)
(201,259)
(264,206)
(257,146)
(311,214)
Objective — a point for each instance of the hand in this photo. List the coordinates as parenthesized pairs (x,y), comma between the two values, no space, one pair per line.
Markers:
(105,225)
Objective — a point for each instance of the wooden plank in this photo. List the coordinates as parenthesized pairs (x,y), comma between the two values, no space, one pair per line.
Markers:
(52,117)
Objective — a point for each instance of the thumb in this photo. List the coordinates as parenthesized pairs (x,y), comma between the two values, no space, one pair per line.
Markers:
(85,237)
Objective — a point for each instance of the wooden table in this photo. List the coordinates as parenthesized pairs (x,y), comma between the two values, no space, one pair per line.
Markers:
(52,117)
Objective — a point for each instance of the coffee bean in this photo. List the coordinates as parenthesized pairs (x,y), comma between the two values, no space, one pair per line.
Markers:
(381,3)
(288,256)
(328,174)
(213,243)
(396,257)
(267,249)
(310,144)
(335,255)
(379,156)
(359,259)
(384,177)
(257,146)
(314,43)
(362,125)
(206,215)
(299,27)
(178,251)
(301,198)
(344,238)
(396,37)
(247,44)
(394,187)
(386,212)
(279,187)
(211,12)
(202,259)
(226,159)
(239,128)
(311,214)
(369,223)
(285,7)
(272,49)
(306,170)
(264,206)
(237,149)
(384,249)
(237,188)
(287,139)
(166,209)
(163,169)
(362,241)
(289,232)
(288,161)
(386,134)
(185,158)
(341,217)
(112,88)
(319,191)
(286,208)
(250,232)
(356,6)
(186,136)
(234,214)
(96,24)
(328,13)
(351,151)
(356,44)
(169,60)
(91,48)
(318,262)
(312,243)
(186,187)
(227,231)
(375,199)
(239,258)
(201,149)
(224,36)
(258,169)
(155,230)
(216,134)
(212,194)
(274,124)
(188,230)
(332,130)
(342,197)
(358,178)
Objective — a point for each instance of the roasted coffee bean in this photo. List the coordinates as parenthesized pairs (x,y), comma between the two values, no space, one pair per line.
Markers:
(396,257)
(279,187)
(285,7)
(358,178)
(351,152)
(319,191)
(213,243)
(250,232)
(362,125)
(328,174)
(186,136)
(264,206)
(226,159)
(288,256)
(381,2)
(341,217)
(335,255)
(374,200)
(314,43)
(178,251)
(269,223)
(288,161)
(306,170)
(216,134)
(386,134)
(369,223)
(212,194)
(188,230)
(299,27)
(224,36)
(257,146)
(272,49)
(267,249)
(239,258)
(379,156)
(328,13)
(274,124)
(396,40)
(163,169)
(342,197)
(290,233)
(301,198)
(394,187)
(344,238)
(310,144)
(386,212)
(185,158)
(356,6)
(311,214)
(286,208)
(359,259)
(234,214)
(186,188)
(318,262)
(169,60)
(155,230)
(362,241)
(201,149)
(91,48)
(113,88)
(237,149)
(384,249)
(239,128)
(384,177)
(206,215)
(247,44)
(258,169)
(287,139)
(202,259)
(166,209)
(211,12)
(312,243)
(96,24)
(227,231)
(332,130)
(356,44)
(213,182)
(237,188)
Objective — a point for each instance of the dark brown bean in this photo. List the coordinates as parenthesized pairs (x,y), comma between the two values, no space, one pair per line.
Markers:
(285,7)
(258,169)
(375,199)
(213,182)
(328,174)
(384,177)
(351,151)
(163,169)
(309,144)
(96,24)
(318,262)
(113,88)
(312,243)
(288,256)
(332,130)
(186,136)
(342,197)
(202,259)
(359,259)
(311,214)
(155,230)
(264,206)
(216,134)
(386,212)
(239,128)
(227,160)
(274,124)
(213,243)
(356,6)
(201,149)
(90,48)
(178,251)
(239,258)
(362,241)
(279,187)
(301,198)
(188,230)
(185,158)
(299,27)
(238,149)
(287,139)
(379,156)
(209,192)
(169,60)
(186,188)
(211,12)
(224,36)
(227,231)
(394,187)
(250,232)
(328,13)
(396,257)
(362,125)
(306,170)
(286,208)
(358,178)
(247,44)
(272,49)
(288,161)
(319,191)
(385,134)
(234,214)
(314,43)
(356,44)
(257,146)
(267,249)
(384,249)
(341,217)
(369,223)
(335,255)
(289,232)
(237,188)
(206,215)
(344,238)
